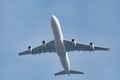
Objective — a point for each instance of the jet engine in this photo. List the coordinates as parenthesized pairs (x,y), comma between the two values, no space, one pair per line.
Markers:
(29,48)
(44,44)
(74,42)
(91,46)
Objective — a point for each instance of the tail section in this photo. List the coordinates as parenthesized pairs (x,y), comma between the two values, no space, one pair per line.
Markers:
(60,73)
(71,72)
(75,72)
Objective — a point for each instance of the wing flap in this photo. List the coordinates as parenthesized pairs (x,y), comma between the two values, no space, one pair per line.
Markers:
(101,48)
(50,47)
(24,53)
(81,47)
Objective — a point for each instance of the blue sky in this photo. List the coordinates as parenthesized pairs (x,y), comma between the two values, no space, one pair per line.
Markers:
(27,22)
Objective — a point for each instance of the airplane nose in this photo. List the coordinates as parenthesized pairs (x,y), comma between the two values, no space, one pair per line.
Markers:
(53,18)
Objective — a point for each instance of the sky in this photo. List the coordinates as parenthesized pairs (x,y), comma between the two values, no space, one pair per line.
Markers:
(27,22)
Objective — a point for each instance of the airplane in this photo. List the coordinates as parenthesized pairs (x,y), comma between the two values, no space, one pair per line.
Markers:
(61,47)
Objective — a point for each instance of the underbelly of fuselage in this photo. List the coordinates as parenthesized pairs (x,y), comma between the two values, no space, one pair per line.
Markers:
(64,59)
(60,48)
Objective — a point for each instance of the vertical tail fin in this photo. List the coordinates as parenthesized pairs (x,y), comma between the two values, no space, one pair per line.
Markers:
(71,72)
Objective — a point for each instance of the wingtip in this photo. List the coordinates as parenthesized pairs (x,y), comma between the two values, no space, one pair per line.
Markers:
(109,48)
(19,54)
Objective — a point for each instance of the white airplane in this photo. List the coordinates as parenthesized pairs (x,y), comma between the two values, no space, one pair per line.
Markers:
(61,47)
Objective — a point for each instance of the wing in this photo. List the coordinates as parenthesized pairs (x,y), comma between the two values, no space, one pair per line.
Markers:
(49,47)
(81,47)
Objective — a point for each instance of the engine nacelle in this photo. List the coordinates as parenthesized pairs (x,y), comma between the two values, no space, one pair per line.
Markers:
(92,46)
(44,44)
(74,42)
(30,48)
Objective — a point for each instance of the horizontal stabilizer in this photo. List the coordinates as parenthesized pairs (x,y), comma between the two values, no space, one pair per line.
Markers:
(60,73)
(71,72)
(75,72)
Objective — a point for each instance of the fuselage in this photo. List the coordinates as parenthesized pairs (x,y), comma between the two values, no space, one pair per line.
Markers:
(59,44)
